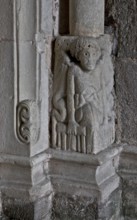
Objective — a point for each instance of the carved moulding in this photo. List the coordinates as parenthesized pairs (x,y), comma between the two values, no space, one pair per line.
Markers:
(28,121)
(83,108)
(27,69)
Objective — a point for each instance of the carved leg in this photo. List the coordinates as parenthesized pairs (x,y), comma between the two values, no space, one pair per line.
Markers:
(64,140)
(59,140)
(79,143)
(71,142)
(89,139)
(83,144)
(54,132)
(61,134)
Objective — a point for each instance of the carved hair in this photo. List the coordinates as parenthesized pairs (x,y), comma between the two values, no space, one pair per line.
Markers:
(83,43)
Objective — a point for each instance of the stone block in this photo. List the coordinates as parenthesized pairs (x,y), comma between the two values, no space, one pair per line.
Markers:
(83,105)
(126,92)
(122,16)
(72,207)
(6,21)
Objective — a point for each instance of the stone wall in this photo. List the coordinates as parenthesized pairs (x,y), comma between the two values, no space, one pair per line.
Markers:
(122,17)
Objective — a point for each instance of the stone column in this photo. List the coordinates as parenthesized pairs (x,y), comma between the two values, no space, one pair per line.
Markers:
(81,163)
(25,39)
(86,17)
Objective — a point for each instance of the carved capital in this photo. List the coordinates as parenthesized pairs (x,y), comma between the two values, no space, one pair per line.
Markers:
(82,95)
(28,121)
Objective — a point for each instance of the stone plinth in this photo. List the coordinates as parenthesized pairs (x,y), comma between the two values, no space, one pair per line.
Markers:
(79,179)
(86,17)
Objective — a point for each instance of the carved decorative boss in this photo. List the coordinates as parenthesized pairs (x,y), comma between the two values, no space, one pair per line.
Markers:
(83,115)
(28,122)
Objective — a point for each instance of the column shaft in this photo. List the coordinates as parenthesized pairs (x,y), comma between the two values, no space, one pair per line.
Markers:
(86,17)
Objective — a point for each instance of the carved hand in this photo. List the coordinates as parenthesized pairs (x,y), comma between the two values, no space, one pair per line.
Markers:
(72,128)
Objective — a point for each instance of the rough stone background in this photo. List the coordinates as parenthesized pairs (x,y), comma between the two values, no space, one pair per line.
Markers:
(121,15)
(121,18)
(66,207)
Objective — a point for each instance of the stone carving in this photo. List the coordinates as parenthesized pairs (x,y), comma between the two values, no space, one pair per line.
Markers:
(27,122)
(83,116)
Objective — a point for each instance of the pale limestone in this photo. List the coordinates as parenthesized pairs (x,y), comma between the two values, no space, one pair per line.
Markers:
(31,175)
(25,41)
(83,106)
(86,17)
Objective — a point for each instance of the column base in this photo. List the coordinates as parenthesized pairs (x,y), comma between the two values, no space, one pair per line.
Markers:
(27,193)
(85,186)
(77,186)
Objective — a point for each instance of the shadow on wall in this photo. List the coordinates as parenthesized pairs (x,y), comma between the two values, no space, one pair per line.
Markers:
(64,17)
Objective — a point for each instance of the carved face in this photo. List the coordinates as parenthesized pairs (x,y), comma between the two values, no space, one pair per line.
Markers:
(88,57)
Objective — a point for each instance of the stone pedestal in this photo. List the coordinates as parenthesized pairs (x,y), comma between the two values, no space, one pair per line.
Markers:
(85,186)
(81,163)
(83,118)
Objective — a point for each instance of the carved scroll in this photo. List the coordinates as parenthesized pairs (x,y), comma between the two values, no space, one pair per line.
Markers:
(28,122)
(83,115)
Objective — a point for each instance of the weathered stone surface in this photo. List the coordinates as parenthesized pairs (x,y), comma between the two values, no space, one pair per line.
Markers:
(129,198)
(66,207)
(126,92)
(123,17)
(128,173)
(19,211)
(6,22)
(25,40)
(25,210)
(83,108)
(92,177)
(19,170)
(111,209)
(86,17)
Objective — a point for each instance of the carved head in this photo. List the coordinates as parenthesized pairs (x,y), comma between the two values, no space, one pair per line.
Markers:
(87,52)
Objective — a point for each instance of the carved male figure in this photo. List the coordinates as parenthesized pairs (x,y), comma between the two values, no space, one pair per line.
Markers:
(80,93)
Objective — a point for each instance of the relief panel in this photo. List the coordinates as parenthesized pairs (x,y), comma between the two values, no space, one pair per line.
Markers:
(83,107)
